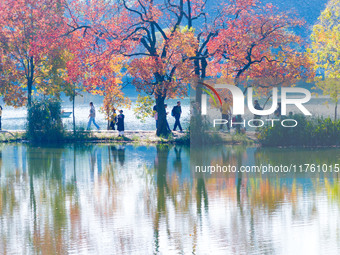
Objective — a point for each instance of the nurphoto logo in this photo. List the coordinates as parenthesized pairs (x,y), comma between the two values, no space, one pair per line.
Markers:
(238,105)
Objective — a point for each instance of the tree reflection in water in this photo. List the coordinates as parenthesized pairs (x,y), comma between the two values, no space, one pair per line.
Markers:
(161,166)
(125,199)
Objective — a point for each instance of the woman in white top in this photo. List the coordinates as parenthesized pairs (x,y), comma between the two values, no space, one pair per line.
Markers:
(92,117)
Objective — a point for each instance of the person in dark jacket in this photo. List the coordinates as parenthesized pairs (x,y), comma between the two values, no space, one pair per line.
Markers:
(257,105)
(176,113)
(277,112)
(120,124)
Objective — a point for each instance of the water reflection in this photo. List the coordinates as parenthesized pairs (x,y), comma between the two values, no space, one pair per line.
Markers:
(123,199)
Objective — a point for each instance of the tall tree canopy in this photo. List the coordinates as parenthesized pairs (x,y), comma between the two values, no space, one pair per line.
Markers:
(146,35)
(261,44)
(160,44)
(163,44)
(325,51)
(30,31)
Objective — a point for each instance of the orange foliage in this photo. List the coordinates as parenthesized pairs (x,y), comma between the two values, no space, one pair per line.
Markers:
(29,30)
(261,45)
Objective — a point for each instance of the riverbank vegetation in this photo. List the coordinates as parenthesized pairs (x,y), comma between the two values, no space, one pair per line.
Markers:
(308,132)
(45,124)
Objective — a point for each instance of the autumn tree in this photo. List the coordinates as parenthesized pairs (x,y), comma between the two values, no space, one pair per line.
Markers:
(147,35)
(93,64)
(325,52)
(244,40)
(29,30)
(261,45)
(11,92)
(166,72)
(163,68)
(60,76)
(163,44)
(207,20)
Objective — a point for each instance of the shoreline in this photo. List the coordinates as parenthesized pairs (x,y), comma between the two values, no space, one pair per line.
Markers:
(130,136)
(145,137)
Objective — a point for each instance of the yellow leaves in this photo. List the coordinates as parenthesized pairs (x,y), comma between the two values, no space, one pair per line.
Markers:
(113,99)
(144,107)
(325,46)
(330,87)
(183,42)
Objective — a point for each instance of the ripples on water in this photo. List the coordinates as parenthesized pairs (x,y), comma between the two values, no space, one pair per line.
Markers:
(116,199)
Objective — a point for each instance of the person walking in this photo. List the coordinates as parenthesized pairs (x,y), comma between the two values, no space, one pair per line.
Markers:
(0,115)
(120,124)
(92,117)
(176,113)
(113,119)
(226,113)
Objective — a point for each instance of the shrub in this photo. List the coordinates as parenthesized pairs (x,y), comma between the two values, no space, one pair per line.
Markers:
(44,121)
(308,132)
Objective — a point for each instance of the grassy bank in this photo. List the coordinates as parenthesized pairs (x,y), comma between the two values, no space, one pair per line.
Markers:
(312,132)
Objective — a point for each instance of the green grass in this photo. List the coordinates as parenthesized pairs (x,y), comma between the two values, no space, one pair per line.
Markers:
(308,132)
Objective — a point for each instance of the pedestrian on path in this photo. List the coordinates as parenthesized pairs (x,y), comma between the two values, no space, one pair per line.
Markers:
(176,113)
(120,124)
(92,117)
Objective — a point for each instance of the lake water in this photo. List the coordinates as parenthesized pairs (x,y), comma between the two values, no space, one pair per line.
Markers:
(124,199)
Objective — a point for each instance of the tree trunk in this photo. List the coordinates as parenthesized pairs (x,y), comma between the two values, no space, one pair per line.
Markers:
(74,118)
(204,65)
(29,92)
(198,86)
(30,81)
(162,127)
(200,70)
(336,111)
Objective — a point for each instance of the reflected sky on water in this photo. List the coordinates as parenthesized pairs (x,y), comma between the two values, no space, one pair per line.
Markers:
(125,199)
